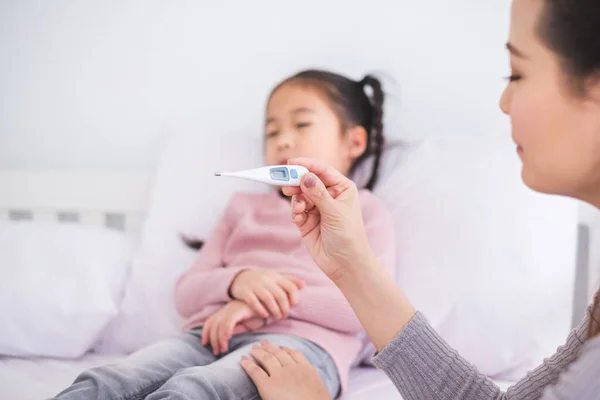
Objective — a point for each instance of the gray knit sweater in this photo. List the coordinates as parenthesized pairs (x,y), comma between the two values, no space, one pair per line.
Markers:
(423,366)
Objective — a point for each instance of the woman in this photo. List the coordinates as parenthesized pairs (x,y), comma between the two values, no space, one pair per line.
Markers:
(553,99)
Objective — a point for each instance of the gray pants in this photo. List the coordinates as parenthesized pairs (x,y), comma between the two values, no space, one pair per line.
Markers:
(181,368)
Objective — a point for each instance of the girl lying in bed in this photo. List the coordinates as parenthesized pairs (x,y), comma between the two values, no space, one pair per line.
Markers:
(253,280)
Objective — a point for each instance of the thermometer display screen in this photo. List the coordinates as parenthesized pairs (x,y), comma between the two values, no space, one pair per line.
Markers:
(279,174)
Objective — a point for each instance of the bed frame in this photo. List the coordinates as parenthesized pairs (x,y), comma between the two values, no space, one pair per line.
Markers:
(118,200)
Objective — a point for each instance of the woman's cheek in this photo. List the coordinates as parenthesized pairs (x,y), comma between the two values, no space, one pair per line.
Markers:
(518,119)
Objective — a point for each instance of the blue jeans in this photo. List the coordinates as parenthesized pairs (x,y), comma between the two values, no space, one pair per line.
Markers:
(181,368)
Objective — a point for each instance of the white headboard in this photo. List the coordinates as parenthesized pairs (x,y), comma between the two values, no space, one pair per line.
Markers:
(118,200)
(115,199)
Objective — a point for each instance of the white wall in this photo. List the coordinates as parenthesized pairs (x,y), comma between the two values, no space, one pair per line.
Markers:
(90,84)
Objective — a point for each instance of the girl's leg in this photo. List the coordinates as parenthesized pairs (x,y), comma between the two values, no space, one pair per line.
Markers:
(224,379)
(141,373)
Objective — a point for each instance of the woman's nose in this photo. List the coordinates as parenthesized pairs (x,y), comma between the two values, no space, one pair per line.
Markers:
(505,101)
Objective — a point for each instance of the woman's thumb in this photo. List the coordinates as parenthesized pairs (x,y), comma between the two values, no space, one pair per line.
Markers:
(316,192)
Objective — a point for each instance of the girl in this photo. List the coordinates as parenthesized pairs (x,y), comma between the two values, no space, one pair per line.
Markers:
(253,280)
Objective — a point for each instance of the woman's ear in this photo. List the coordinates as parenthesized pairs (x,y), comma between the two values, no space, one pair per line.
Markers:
(356,138)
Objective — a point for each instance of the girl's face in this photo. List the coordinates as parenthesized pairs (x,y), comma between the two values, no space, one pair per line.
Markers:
(557,131)
(301,123)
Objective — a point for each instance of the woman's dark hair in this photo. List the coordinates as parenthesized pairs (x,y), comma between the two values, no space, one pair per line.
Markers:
(353,106)
(571,28)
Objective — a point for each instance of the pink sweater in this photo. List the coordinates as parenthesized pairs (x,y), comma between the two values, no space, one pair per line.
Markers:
(256,232)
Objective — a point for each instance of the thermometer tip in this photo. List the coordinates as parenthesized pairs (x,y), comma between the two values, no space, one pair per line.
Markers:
(217,174)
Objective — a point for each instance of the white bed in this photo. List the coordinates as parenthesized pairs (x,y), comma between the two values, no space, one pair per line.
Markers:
(118,201)
(37,379)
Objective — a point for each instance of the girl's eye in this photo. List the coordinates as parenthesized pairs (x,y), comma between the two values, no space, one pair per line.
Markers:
(303,125)
(272,134)
(514,78)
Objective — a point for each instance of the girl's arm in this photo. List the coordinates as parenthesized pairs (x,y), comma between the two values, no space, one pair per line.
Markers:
(207,281)
(326,305)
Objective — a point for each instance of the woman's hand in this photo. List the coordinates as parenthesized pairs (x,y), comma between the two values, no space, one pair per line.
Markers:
(326,210)
(285,374)
(263,290)
(234,318)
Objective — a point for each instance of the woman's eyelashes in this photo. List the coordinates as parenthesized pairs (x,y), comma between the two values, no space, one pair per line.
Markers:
(514,77)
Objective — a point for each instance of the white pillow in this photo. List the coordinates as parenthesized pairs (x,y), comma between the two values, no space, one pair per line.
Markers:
(186,199)
(490,262)
(60,286)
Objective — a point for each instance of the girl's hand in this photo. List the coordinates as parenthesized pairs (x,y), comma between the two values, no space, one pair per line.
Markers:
(234,318)
(285,374)
(263,290)
(326,210)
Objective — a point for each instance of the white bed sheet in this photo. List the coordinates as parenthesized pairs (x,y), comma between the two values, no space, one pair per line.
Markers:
(38,379)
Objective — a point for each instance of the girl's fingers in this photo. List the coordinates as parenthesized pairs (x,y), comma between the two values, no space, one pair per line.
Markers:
(269,301)
(214,339)
(223,335)
(283,301)
(206,332)
(291,288)
(255,304)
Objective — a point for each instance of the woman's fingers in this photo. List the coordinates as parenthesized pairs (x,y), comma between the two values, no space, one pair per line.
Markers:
(300,204)
(296,355)
(269,301)
(327,174)
(299,219)
(265,359)
(256,373)
(282,356)
(308,223)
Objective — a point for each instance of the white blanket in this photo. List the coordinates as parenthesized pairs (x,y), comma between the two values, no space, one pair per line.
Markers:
(37,379)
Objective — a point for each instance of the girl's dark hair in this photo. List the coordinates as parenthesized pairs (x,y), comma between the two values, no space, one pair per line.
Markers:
(571,28)
(354,107)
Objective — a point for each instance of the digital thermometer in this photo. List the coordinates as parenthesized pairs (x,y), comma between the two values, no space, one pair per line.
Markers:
(278,175)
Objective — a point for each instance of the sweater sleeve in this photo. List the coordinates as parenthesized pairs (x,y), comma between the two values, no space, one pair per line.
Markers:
(326,305)
(423,366)
(207,281)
